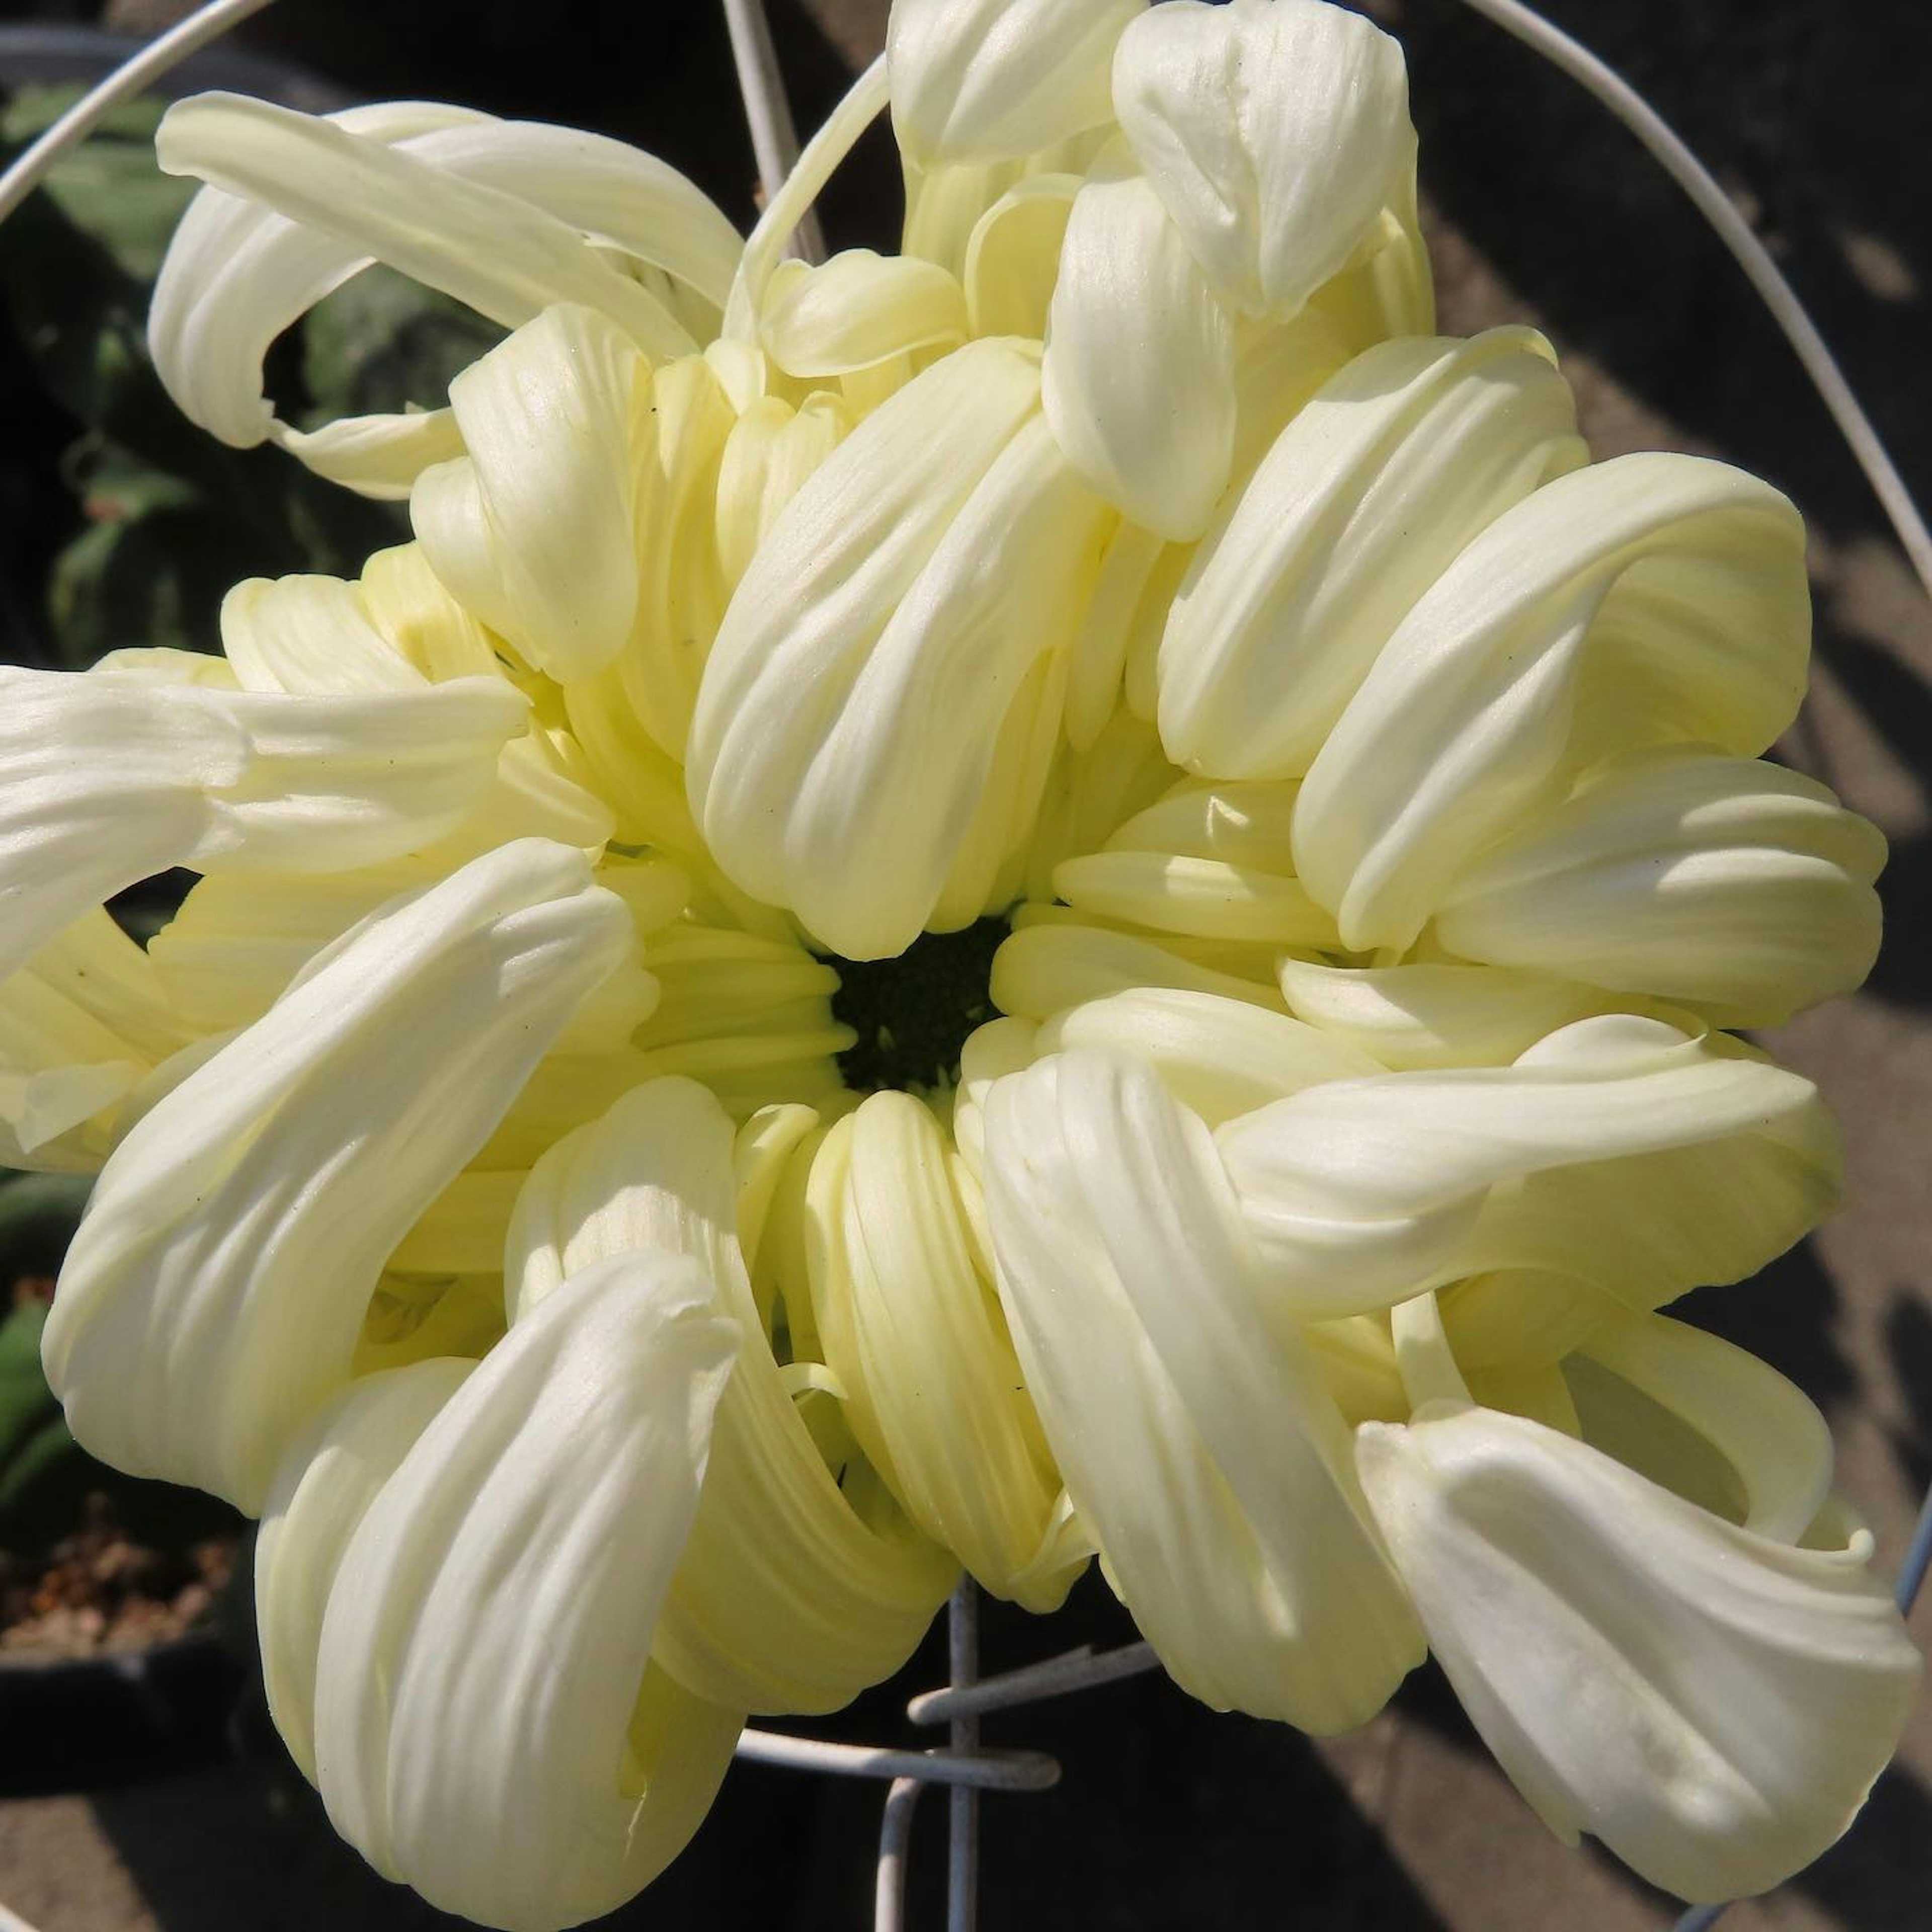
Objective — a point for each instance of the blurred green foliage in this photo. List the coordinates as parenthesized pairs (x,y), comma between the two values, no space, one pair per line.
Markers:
(171,518)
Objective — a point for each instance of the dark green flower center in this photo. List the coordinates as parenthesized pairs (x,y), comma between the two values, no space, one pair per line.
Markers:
(912,1014)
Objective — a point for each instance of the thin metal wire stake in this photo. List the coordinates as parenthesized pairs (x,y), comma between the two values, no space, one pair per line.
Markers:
(962,1842)
(768,114)
(208,23)
(894,1842)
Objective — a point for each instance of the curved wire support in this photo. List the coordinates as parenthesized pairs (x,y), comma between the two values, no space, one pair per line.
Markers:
(206,24)
(1671,152)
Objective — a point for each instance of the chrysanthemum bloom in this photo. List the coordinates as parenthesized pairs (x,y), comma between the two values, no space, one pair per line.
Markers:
(545,1170)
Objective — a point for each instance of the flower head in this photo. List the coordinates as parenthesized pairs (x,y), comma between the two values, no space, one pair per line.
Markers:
(520,1184)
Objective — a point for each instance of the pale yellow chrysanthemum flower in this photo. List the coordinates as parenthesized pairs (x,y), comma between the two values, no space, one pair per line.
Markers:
(1069,894)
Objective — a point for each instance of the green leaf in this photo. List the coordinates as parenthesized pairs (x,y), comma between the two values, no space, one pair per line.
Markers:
(382,341)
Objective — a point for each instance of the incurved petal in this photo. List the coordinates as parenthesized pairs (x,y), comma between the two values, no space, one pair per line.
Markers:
(112,777)
(1712,1704)
(791,1595)
(550,1497)
(1736,887)
(213,1296)
(237,274)
(1013,257)
(856,310)
(852,709)
(536,529)
(1365,497)
(1279,194)
(989,79)
(1138,380)
(1766,1430)
(913,1331)
(503,256)
(771,451)
(1197,1442)
(1365,1193)
(1652,599)
(331,1474)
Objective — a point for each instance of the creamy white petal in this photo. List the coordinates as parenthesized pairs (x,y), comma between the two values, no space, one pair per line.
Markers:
(860,309)
(913,1331)
(1712,1704)
(1220,1058)
(851,713)
(331,1474)
(1434,1013)
(237,274)
(504,256)
(535,529)
(981,80)
(501,1777)
(1138,377)
(792,1595)
(1045,968)
(772,449)
(1197,1441)
(1652,599)
(1767,1431)
(1012,255)
(1734,886)
(1364,1192)
(1275,132)
(1365,498)
(214,1294)
(113,777)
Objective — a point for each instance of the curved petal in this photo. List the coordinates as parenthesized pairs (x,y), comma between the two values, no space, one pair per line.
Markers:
(914,1333)
(503,256)
(536,529)
(1713,1705)
(851,711)
(1278,195)
(112,777)
(1768,1433)
(213,1296)
(1364,1192)
(553,1492)
(771,451)
(988,79)
(1652,599)
(237,274)
(856,310)
(331,1474)
(1013,257)
(1738,887)
(1197,1442)
(1365,497)
(791,1595)
(1138,380)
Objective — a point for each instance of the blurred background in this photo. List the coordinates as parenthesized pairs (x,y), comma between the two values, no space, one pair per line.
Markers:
(149,1794)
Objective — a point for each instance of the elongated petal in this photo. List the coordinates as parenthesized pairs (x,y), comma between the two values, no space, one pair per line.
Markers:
(213,1296)
(790,1596)
(851,713)
(503,256)
(330,1476)
(237,274)
(1220,1058)
(1774,1444)
(1366,1191)
(1363,500)
(535,529)
(113,777)
(1012,255)
(1139,379)
(1652,599)
(858,309)
(1712,1704)
(1737,887)
(503,1777)
(771,451)
(986,79)
(1196,1439)
(915,1334)
(1275,132)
